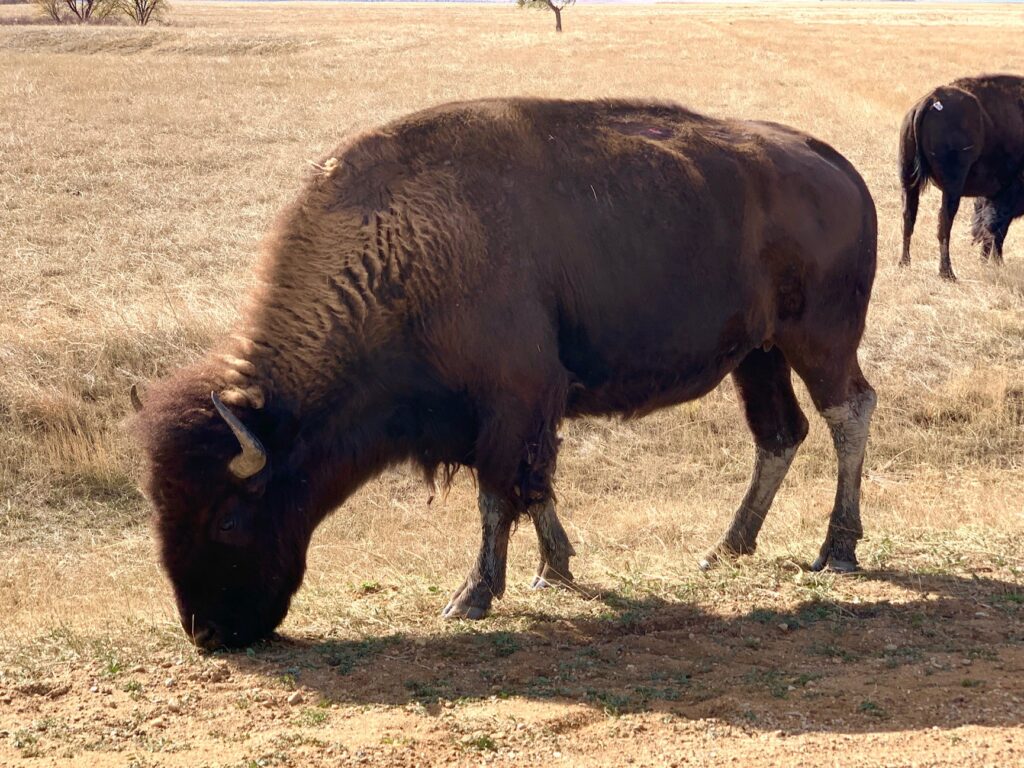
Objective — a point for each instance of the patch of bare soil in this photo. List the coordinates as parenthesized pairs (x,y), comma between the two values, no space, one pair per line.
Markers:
(887,669)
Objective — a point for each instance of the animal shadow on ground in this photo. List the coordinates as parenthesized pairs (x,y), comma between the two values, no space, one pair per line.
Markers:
(935,650)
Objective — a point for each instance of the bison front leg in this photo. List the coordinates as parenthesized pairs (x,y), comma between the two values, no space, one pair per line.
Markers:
(555,549)
(487,579)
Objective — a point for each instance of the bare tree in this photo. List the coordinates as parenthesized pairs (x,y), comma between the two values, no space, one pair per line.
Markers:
(143,11)
(81,11)
(87,10)
(51,8)
(554,5)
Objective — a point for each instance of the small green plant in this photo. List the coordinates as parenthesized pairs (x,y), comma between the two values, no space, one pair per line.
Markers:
(872,709)
(505,644)
(481,742)
(112,665)
(612,704)
(312,717)
(27,742)
(771,679)
(288,680)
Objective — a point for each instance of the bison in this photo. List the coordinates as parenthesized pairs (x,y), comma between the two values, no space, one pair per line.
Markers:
(447,288)
(968,139)
(992,217)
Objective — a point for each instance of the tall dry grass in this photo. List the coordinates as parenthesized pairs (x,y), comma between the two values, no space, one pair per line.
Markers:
(138,169)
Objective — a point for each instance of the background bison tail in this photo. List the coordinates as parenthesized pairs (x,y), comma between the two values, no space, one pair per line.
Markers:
(913,164)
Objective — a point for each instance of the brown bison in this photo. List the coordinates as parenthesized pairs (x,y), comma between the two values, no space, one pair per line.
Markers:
(968,139)
(448,288)
(992,217)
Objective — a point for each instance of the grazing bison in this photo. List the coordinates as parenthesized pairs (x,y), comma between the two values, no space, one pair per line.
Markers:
(447,288)
(968,139)
(992,217)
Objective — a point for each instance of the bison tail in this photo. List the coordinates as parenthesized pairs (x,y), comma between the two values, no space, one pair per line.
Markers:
(913,163)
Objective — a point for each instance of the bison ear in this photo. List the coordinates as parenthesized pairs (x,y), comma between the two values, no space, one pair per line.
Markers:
(133,395)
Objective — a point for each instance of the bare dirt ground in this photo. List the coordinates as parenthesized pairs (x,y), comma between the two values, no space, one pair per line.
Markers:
(138,169)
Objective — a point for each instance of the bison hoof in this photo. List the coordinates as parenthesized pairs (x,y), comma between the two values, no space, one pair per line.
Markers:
(947,274)
(549,577)
(470,601)
(727,552)
(835,565)
(459,611)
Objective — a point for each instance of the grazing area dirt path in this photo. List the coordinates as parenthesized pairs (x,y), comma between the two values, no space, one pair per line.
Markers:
(138,169)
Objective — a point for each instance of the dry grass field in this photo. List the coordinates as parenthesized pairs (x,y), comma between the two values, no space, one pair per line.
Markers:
(138,169)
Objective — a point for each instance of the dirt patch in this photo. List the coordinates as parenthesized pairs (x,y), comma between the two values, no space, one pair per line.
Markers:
(892,669)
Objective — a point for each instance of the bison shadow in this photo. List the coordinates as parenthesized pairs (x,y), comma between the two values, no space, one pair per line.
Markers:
(948,656)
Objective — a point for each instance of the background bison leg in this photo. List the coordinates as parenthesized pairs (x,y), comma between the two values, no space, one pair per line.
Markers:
(765,386)
(981,226)
(992,218)
(911,198)
(947,212)
(999,237)
(487,579)
(555,549)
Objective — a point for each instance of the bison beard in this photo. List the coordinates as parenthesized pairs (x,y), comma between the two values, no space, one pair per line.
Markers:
(448,288)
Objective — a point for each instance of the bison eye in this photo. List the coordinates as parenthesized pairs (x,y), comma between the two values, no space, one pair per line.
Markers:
(228,524)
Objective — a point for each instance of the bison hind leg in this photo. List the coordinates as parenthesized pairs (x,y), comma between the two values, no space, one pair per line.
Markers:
(849,423)
(554,545)
(846,401)
(764,383)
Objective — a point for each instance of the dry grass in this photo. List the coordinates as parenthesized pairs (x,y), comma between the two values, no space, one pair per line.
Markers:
(138,169)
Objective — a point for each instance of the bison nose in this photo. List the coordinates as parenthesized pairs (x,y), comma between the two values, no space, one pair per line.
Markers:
(207,637)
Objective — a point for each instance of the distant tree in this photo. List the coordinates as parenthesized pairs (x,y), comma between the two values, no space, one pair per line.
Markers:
(81,11)
(143,11)
(52,8)
(554,5)
(87,10)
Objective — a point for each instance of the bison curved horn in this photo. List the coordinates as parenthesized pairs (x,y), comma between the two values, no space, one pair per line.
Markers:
(253,457)
(133,395)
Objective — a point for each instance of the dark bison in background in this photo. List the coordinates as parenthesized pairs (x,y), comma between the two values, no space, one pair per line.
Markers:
(448,288)
(992,218)
(968,139)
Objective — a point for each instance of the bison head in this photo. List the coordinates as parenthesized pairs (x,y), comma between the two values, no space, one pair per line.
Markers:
(230,513)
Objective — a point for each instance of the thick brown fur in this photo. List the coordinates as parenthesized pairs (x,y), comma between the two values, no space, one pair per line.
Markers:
(993,215)
(967,138)
(447,288)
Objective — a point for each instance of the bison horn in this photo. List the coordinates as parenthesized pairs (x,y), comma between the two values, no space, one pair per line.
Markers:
(253,457)
(133,395)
